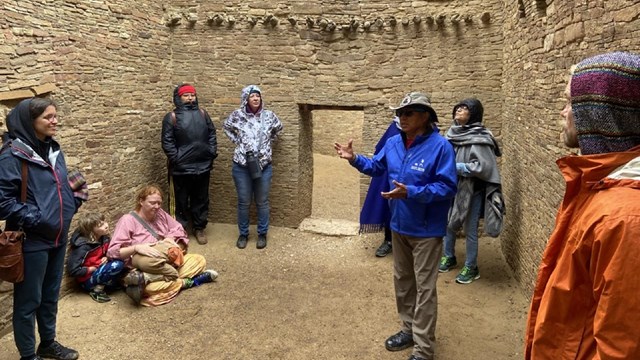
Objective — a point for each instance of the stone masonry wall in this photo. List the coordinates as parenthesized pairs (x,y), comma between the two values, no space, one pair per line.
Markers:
(542,40)
(107,65)
(330,126)
(111,66)
(309,55)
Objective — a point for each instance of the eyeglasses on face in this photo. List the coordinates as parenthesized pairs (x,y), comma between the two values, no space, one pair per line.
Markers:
(51,117)
(462,108)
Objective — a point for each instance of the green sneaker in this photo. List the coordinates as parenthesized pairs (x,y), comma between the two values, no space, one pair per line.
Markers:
(447,263)
(467,275)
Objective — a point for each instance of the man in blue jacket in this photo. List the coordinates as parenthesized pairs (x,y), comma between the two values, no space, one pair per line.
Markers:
(422,176)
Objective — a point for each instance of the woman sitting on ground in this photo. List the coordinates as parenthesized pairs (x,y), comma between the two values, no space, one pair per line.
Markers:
(137,233)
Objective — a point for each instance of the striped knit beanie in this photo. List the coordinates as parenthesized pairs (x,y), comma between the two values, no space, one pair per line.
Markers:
(605,98)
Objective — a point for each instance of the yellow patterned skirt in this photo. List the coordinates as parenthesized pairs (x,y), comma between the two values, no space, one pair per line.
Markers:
(161,292)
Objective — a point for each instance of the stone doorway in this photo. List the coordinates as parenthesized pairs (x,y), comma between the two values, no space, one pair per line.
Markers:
(335,191)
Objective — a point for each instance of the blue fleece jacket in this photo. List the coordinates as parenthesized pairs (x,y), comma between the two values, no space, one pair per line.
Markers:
(428,169)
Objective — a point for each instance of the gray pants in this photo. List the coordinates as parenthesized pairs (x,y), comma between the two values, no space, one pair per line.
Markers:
(415,275)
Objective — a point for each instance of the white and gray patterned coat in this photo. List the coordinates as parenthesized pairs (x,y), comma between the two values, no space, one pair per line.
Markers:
(252,131)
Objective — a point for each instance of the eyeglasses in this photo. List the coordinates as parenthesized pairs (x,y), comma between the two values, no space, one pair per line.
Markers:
(462,108)
(409,112)
(51,117)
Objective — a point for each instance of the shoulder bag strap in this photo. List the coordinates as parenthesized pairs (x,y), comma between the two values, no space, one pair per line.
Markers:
(146,226)
(23,190)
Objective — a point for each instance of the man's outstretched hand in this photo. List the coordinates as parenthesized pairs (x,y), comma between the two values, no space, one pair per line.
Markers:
(345,152)
(399,192)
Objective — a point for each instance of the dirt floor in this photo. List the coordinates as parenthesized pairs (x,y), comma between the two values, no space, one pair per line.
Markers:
(306,296)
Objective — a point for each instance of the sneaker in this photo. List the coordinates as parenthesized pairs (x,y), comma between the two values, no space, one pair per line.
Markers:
(32,357)
(206,276)
(447,263)
(100,296)
(201,237)
(467,275)
(262,241)
(57,351)
(384,249)
(242,242)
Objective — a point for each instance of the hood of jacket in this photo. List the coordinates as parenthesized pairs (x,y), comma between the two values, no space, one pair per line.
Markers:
(20,126)
(475,110)
(78,239)
(182,106)
(244,98)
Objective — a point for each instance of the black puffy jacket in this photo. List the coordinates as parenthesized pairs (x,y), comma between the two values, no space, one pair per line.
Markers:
(188,138)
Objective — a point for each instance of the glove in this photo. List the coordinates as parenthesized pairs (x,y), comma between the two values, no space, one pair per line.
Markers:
(462,170)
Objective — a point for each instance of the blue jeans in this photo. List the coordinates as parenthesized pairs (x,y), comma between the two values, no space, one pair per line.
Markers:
(470,229)
(35,300)
(248,188)
(107,274)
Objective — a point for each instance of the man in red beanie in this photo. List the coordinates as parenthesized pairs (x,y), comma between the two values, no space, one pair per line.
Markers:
(189,141)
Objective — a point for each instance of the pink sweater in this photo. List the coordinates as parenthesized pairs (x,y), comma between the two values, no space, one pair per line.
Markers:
(130,232)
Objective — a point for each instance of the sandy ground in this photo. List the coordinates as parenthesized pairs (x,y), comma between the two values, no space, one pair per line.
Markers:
(306,296)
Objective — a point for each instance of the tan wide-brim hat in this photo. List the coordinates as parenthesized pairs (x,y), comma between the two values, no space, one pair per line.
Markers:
(417,99)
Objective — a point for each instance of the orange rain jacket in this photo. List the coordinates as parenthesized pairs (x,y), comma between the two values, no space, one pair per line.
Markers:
(586,303)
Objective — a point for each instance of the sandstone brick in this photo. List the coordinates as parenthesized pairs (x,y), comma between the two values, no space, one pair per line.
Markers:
(43,89)
(15,94)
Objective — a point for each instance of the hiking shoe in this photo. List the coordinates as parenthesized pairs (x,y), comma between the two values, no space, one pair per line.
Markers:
(206,276)
(99,296)
(201,237)
(57,351)
(134,277)
(135,285)
(135,293)
(262,241)
(384,249)
(447,263)
(399,341)
(242,242)
(467,275)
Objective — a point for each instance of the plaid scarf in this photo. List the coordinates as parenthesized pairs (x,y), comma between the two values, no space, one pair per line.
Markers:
(78,185)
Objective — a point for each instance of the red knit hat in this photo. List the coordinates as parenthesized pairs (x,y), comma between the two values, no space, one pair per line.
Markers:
(186,89)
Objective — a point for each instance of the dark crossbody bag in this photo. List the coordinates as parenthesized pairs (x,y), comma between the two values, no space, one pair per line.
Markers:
(146,226)
(11,256)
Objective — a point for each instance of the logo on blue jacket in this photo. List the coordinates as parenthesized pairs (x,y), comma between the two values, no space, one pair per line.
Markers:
(418,166)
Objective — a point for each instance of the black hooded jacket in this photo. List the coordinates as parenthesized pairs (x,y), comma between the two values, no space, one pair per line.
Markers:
(188,138)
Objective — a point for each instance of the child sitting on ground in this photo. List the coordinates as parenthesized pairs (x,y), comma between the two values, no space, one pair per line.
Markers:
(88,262)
